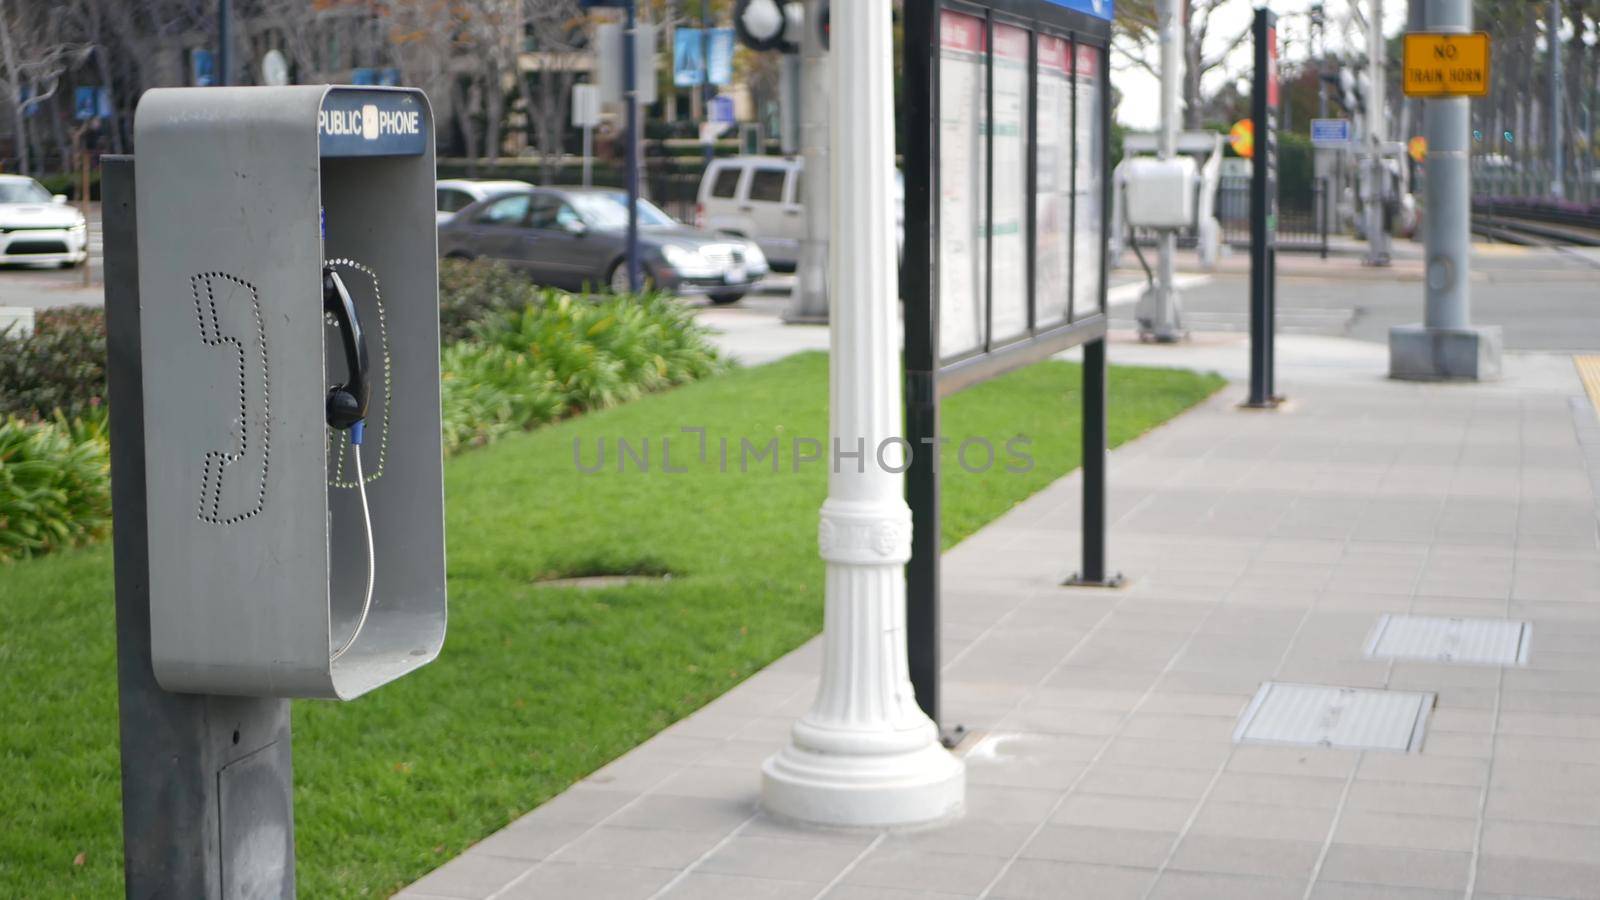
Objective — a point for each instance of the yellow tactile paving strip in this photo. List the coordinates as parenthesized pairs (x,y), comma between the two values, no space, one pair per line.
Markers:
(1589,374)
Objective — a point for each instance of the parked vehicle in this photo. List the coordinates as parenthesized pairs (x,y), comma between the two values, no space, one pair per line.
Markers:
(455,194)
(36,227)
(761,198)
(576,238)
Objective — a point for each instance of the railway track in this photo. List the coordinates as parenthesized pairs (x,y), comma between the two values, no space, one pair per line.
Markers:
(1529,232)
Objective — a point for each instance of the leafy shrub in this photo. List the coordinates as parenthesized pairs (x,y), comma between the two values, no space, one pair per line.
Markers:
(61,366)
(470,292)
(562,355)
(55,484)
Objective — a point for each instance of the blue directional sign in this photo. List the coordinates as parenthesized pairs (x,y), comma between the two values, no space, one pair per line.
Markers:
(83,104)
(203,64)
(1100,9)
(1330,132)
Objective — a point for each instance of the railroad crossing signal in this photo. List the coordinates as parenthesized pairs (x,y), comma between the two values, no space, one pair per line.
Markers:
(1446,65)
(1242,137)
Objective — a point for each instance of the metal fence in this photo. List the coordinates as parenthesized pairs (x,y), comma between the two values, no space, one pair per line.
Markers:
(1303,216)
(1496,175)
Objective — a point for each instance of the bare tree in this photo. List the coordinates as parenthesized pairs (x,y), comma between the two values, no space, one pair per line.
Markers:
(1138,41)
(556,35)
(34,54)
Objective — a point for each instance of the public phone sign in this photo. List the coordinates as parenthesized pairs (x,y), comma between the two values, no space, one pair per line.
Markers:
(1445,65)
(365,122)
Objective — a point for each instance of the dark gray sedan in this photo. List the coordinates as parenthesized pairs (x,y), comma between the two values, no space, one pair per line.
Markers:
(575,238)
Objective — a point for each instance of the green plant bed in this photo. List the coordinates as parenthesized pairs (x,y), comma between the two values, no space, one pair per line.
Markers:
(538,685)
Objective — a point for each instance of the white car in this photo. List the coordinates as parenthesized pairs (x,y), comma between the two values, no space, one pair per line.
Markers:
(762,199)
(455,194)
(36,227)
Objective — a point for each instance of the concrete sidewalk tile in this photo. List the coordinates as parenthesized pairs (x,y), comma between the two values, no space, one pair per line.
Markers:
(1246,856)
(1168,727)
(1140,813)
(1040,879)
(669,813)
(927,870)
(1291,790)
(646,848)
(735,777)
(789,860)
(1393,867)
(581,803)
(764,825)
(1520,876)
(530,838)
(1422,769)
(1562,807)
(1145,781)
(1061,720)
(1159,753)
(1414,798)
(1517,775)
(1257,820)
(1545,748)
(472,876)
(1196,704)
(706,886)
(1542,840)
(1213,886)
(1136,848)
(1403,831)
(1316,763)
(1010,805)
(1338,890)
(863,892)
(591,882)
(967,836)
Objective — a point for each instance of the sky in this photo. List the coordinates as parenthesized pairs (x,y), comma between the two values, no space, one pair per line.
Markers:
(1141,92)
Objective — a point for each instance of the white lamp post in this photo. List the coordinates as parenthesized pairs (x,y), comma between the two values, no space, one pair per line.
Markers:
(865,754)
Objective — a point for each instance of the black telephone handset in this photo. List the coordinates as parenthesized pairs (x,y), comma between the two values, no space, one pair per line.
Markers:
(347,403)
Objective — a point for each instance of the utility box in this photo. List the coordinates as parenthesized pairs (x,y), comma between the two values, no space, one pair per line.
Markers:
(1160,193)
(258,533)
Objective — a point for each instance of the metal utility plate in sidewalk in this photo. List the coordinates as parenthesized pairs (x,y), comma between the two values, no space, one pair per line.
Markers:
(1310,715)
(1473,642)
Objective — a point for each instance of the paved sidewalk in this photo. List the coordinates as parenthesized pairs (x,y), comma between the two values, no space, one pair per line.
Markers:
(1260,547)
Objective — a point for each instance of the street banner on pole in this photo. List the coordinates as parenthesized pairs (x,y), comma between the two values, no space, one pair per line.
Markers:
(689,67)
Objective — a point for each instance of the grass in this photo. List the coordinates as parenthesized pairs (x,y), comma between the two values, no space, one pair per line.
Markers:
(537,686)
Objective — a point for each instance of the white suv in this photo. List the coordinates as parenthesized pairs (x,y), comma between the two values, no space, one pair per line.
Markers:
(761,198)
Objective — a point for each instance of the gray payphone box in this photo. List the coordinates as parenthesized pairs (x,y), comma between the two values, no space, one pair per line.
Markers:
(287,247)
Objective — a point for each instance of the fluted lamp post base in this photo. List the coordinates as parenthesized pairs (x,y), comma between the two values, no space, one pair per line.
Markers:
(860,790)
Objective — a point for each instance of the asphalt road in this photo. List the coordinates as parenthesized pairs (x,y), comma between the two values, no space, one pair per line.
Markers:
(1544,300)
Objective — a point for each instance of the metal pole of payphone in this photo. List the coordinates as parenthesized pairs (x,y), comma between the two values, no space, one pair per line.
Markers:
(187,830)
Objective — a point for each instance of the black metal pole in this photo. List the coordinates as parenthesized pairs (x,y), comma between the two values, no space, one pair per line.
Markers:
(630,85)
(224,39)
(705,73)
(1262,232)
(207,782)
(919,287)
(1094,467)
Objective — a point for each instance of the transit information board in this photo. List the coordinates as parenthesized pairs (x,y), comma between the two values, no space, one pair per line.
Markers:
(1018,177)
(1006,190)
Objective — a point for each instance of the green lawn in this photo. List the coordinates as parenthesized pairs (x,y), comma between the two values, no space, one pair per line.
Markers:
(537,686)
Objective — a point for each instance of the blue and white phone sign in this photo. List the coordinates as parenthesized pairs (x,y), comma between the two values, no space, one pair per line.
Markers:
(354,122)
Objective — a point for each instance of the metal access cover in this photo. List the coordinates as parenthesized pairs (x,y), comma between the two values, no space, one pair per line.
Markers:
(1472,642)
(1310,715)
